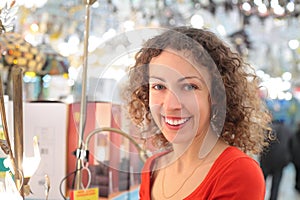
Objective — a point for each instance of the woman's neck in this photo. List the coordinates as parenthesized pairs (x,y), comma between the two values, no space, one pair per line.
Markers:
(198,149)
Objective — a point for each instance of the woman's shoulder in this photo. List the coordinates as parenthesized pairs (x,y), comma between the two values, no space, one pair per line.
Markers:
(146,175)
(233,174)
(233,164)
(234,157)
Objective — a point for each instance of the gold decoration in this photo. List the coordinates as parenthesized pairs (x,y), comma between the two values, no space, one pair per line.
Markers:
(18,52)
(4,146)
(7,16)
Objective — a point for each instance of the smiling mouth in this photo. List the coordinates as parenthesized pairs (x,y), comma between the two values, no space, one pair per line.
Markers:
(176,122)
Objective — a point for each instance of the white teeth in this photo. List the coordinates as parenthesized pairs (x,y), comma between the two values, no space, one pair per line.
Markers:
(176,122)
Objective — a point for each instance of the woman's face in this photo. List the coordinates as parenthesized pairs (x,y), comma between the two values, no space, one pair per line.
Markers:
(179,97)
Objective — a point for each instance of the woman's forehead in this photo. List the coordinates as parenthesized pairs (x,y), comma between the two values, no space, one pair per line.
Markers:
(181,61)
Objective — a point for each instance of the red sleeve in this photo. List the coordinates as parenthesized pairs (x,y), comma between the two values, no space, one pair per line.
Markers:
(145,186)
(237,184)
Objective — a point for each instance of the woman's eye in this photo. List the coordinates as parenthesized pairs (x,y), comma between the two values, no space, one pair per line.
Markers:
(158,87)
(189,87)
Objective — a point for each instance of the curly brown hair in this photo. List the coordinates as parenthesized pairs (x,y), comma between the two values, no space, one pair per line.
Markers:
(247,118)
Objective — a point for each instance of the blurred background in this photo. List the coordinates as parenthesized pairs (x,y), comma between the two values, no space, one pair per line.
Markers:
(46,37)
(265,32)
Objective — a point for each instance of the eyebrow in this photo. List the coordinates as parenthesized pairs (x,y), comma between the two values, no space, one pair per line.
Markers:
(155,77)
(191,77)
(180,80)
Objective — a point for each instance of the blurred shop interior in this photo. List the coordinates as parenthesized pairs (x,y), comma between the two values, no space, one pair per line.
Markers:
(46,38)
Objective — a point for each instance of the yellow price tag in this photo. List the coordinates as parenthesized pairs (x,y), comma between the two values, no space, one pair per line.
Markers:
(88,194)
(2,137)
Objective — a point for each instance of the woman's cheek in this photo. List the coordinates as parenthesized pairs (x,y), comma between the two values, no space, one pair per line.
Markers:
(154,108)
(155,98)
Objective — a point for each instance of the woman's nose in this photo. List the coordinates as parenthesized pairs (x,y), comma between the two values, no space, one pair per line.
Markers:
(172,100)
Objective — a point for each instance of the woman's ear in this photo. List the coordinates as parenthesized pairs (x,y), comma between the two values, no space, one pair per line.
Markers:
(210,100)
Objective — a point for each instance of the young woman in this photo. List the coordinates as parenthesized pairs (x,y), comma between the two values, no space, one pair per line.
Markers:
(200,101)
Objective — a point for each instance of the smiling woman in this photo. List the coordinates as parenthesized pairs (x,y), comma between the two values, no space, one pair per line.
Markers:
(178,96)
(199,99)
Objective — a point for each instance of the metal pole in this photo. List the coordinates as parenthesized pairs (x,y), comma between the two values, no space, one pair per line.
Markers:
(5,127)
(18,126)
(83,104)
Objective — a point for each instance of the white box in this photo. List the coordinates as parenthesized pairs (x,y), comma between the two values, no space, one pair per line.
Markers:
(47,121)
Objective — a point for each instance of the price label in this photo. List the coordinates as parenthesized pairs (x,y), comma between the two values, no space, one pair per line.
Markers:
(88,194)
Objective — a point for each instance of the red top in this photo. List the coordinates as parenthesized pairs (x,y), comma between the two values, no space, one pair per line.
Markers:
(233,176)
